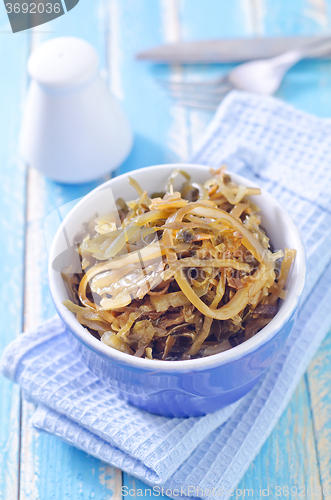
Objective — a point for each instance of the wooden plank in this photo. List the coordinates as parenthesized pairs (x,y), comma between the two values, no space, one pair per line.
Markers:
(160,127)
(287,462)
(295,17)
(51,469)
(319,384)
(134,26)
(180,127)
(217,18)
(288,458)
(138,25)
(134,488)
(213,20)
(13,56)
(308,86)
(283,461)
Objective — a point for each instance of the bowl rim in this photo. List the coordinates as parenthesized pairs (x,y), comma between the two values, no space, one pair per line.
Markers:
(247,347)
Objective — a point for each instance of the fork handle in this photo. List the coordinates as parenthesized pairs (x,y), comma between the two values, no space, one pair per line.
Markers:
(291,57)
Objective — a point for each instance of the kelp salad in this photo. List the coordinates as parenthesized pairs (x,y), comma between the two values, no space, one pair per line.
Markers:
(185,274)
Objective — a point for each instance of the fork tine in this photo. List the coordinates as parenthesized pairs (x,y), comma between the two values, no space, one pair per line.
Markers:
(193,94)
(201,95)
(200,99)
(199,84)
(197,105)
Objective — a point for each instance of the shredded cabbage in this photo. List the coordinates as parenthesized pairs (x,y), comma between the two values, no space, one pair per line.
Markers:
(180,275)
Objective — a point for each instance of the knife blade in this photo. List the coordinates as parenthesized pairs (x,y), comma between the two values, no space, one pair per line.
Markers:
(230,50)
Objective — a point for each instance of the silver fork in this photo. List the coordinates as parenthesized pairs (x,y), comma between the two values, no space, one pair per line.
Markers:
(260,77)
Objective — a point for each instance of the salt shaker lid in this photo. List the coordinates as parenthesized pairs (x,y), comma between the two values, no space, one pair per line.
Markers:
(63,62)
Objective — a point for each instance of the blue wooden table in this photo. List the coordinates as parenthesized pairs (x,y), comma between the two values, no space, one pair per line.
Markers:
(37,466)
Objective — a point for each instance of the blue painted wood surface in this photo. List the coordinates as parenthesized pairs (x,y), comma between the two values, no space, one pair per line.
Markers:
(12,209)
(39,466)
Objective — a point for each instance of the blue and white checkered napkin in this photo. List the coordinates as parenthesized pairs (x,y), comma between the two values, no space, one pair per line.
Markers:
(288,153)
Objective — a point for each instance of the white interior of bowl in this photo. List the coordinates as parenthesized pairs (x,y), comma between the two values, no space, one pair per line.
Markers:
(275,219)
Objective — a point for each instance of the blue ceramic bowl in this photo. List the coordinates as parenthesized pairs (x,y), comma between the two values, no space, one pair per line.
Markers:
(178,388)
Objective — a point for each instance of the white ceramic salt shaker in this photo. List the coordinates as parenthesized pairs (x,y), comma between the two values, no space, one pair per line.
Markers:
(73,129)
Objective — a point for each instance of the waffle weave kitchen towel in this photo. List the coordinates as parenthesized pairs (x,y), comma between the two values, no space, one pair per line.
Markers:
(288,153)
